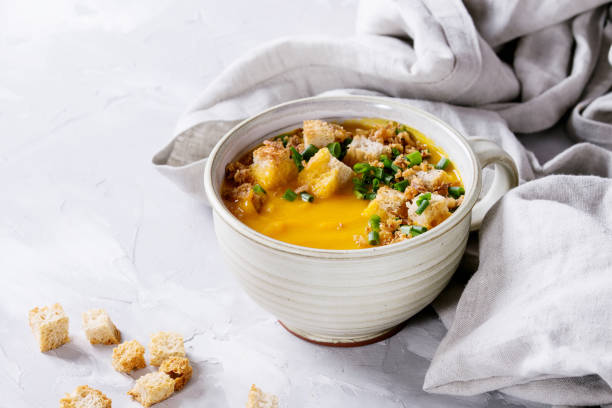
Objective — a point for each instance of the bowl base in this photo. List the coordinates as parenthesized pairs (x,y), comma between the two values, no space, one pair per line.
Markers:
(344,342)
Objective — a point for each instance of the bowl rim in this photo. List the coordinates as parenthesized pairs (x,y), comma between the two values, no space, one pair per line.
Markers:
(260,239)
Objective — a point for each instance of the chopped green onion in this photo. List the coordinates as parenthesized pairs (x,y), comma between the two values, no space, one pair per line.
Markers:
(414,158)
(422,206)
(400,129)
(377,172)
(456,192)
(374,222)
(309,151)
(395,168)
(375,184)
(297,159)
(358,194)
(417,230)
(307,197)
(335,149)
(289,195)
(387,178)
(361,167)
(401,185)
(425,196)
(373,238)
(442,163)
(259,189)
(394,152)
(386,161)
(369,196)
(412,230)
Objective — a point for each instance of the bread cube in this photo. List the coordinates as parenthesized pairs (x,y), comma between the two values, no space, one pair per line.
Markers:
(320,133)
(365,150)
(164,345)
(431,180)
(129,356)
(152,388)
(272,166)
(387,204)
(99,328)
(260,399)
(50,326)
(179,369)
(324,174)
(436,212)
(85,397)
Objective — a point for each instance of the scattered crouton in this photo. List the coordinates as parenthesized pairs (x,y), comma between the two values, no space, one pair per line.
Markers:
(260,399)
(164,345)
(389,203)
(152,388)
(85,397)
(324,174)
(50,326)
(362,149)
(320,133)
(129,356)
(436,212)
(99,328)
(179,369)
(272,165)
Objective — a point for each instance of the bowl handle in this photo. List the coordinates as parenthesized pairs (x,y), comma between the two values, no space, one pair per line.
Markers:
(506,176)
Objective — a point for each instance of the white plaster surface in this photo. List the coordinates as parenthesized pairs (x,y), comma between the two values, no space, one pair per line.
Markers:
(89,91)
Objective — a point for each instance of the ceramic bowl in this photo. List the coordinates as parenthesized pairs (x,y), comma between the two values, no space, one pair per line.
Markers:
(351,297)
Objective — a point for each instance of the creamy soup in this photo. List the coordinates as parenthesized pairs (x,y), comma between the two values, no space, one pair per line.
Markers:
(349,185)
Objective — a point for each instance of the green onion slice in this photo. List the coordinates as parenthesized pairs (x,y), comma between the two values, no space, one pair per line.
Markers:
(386,161)
(394,152)
(422,206)
(369,196)
(297,158)
(412,230)
(377,172)
(443,163)
(358,194)
(414,158)
(374,222)
(361,167)
(456,192)
(309,151)
(309,198)
(417,230)
(424,196)
(387,178)
(375,184)
(289,195)
(335,149)
(373,238)
(401,185)
(259,189)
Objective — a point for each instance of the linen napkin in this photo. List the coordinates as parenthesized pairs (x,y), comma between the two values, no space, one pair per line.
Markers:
(535,320)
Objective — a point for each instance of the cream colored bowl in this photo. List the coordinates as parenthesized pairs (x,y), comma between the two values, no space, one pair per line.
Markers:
(351,297)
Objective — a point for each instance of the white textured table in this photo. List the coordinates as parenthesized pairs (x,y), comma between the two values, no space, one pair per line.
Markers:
(88,92)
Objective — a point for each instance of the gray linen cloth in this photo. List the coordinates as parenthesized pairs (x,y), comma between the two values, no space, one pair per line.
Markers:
(535,319)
